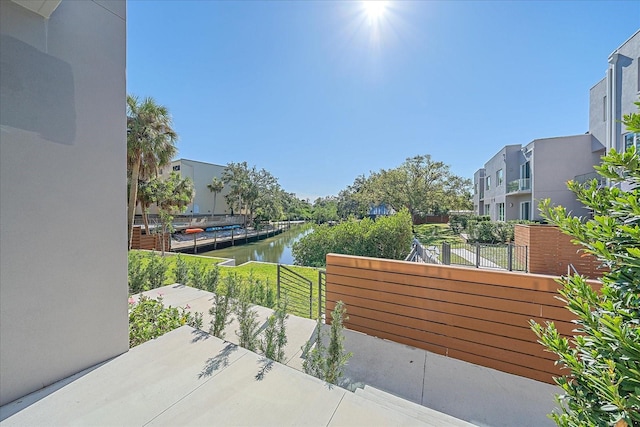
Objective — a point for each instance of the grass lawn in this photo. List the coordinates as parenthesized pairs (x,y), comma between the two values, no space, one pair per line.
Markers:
(436,234)
(265,272)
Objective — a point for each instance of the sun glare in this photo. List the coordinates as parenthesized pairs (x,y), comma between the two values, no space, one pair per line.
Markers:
(374,9)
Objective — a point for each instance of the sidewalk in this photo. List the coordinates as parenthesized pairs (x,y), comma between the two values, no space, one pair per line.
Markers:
(482,396)
(188,377)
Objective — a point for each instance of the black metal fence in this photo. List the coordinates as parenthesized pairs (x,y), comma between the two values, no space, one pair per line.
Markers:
(298,289)
(480,255)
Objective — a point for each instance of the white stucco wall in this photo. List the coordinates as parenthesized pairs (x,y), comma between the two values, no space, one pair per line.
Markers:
(63,260)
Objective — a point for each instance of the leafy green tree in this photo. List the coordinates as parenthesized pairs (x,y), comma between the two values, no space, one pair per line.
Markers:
(171,194)
(216,186)
(325,209)
(254,192)
(602,362)
(151,143)
(421,185)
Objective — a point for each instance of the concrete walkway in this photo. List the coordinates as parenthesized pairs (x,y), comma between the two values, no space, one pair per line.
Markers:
(482,396)
(164,382)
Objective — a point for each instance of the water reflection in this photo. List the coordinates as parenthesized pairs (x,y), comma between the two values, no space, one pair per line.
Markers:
(274,249)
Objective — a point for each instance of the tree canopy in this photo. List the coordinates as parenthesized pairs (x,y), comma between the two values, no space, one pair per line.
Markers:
(420,185)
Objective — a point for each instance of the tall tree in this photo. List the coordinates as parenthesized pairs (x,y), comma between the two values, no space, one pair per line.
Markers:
(151,143)
(252,191)
(421,185)
(215,187)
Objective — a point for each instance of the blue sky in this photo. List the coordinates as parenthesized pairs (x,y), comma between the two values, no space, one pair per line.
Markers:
(317,92)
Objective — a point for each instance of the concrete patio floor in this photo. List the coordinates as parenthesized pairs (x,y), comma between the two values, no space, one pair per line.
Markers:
(167,382)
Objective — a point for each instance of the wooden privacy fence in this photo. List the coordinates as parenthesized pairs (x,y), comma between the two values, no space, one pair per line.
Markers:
(149,242)
(479,316)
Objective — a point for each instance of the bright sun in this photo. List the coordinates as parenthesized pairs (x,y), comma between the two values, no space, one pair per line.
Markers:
(374,9)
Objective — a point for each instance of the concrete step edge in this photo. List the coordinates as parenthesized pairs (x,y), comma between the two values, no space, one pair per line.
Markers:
(414,410)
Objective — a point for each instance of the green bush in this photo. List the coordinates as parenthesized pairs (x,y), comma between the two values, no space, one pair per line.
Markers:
(387,237)
(275,336)
(247,321)
(181,270)
(156,270)
(327,363)
(149,319)
(137,273)
(601,363)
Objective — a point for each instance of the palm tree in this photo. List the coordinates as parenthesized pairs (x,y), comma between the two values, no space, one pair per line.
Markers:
(151,143)
(215,187)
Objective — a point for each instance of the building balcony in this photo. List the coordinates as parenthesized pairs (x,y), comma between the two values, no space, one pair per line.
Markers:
(587,177)
(522,185)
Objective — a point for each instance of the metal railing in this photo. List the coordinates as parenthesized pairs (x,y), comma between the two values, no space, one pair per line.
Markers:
(322,293)
(421,254)
(522,184)
(505,257)
(588,177)
(298,289)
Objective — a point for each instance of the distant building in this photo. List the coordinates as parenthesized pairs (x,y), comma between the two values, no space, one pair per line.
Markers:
(201,174)
(517,178)
(380,210)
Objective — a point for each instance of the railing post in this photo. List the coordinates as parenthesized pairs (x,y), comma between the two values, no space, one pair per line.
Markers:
(446,254)
(477,254)
(278,282)
(319,294)
(310,300)
(510,257)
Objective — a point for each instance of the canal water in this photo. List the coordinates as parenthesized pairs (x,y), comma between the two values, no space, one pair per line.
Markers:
(275,249)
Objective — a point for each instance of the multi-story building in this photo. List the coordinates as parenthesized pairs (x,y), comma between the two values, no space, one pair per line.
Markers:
(512,182)
(201,174)
(615,95)
(518,177)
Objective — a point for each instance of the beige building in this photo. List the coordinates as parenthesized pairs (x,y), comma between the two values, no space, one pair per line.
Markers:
(201,174)
(63,258)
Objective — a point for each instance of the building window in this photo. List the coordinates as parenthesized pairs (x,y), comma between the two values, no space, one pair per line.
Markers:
(161,172)
(525,211)
(630,140)
(500,208)
(488,180)
(487,209)
(604,109)
(176,168)
(475,188)
(499,178)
